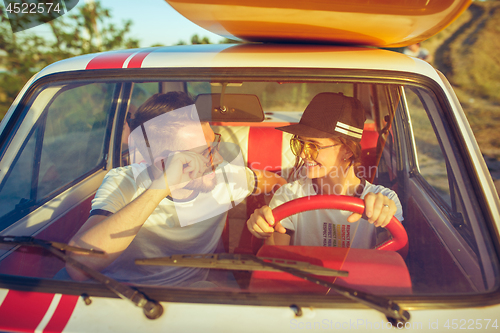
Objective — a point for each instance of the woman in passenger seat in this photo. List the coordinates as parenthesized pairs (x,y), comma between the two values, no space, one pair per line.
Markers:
(326,142)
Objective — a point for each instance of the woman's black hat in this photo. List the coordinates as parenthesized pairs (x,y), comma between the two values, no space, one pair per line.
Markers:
(330,115)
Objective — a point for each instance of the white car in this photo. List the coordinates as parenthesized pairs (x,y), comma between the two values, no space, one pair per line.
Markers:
(69,127)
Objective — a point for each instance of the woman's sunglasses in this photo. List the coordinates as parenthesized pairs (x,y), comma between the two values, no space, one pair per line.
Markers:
(310,149)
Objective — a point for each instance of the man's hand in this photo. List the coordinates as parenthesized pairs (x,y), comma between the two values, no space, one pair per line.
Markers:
(261,223)
(177,170)
(378,208)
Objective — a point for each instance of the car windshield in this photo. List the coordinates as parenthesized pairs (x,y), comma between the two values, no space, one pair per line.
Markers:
(80,150)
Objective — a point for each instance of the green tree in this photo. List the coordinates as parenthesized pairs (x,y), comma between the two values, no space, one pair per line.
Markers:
(196,40)
(86,29)
(230,41)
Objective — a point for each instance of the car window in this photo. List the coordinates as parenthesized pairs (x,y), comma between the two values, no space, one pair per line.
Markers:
(406,147)
(141,91)
(16,188)
(440,198)
(67,142)
(431,162)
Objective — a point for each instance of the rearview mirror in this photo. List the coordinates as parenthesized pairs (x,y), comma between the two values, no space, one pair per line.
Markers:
(229,108)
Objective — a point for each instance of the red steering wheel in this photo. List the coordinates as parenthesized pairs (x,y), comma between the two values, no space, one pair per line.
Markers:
(399,239)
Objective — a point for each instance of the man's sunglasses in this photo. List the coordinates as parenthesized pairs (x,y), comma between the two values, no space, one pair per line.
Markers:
(207,153)
(310,149)
(213,148)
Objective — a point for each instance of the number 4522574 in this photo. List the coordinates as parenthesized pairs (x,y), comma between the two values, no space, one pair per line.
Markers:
(469,324)
(33,8)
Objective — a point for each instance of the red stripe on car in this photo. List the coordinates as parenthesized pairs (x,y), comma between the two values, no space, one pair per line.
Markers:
(106,61)
(62,314)
(23,311)
(136,61)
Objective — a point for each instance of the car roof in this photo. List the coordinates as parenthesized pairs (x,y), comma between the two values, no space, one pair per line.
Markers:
(244,56)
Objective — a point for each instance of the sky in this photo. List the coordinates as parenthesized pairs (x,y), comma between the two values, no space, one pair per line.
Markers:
(154,22)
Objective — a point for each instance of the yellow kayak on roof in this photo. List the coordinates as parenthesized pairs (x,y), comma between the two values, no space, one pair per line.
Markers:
(383,23)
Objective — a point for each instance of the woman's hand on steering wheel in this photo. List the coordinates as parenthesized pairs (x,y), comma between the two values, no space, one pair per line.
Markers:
(399,241)
(261,223)
(378,208)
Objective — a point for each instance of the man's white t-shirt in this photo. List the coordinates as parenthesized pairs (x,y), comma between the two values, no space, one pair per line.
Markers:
(163,234)
(329,227)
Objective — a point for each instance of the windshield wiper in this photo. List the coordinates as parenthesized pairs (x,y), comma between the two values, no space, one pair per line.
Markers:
(391,309)
(34,242)
(152,309)
(242,262)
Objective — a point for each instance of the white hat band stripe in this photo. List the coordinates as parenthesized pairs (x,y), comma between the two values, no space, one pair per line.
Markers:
(346,132)
(350,128)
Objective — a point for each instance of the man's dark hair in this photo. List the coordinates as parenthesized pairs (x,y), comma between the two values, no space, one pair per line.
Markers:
(159,104)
